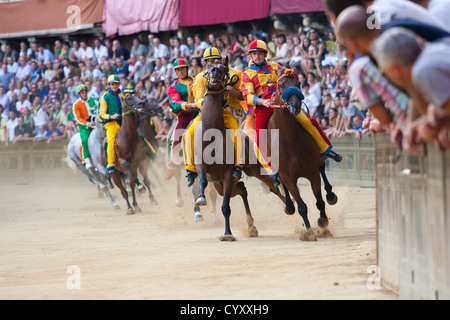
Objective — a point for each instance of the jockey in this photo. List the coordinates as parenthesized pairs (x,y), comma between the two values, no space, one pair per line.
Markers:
(110,113)
(84,111)
(258,86)
(182,105)
(231,108)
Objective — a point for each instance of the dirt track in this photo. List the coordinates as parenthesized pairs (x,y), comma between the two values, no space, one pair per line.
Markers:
(48,230)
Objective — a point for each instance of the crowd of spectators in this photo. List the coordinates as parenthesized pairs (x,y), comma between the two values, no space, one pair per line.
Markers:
(38,80)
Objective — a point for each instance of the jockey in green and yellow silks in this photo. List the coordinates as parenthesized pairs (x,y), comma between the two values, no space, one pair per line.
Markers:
(110,113)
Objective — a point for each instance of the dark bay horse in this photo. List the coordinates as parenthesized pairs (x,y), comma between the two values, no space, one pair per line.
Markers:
(298,154)
(220,172)
(131,155)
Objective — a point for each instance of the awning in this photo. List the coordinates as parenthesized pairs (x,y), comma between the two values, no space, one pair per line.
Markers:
(207,12)
(47,17)
(296,6)
(124,17)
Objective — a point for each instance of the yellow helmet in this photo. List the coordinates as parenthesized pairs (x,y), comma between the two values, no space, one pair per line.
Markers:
(113,78)
(212,53)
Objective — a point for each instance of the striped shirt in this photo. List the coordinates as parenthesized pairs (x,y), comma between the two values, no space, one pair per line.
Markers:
(259,82)
(373,88)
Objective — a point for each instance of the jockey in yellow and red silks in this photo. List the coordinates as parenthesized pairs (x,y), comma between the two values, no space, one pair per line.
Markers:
(231,109)
(259,84)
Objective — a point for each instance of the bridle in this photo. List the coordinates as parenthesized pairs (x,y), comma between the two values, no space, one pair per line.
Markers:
(289,73)
(223,82)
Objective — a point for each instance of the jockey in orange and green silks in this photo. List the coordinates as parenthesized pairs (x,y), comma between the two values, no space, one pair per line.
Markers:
(84,112)
(110,113)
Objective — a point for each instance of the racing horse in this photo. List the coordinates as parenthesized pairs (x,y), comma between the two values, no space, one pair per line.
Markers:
(131,153)
(98,174)
(220,172)
(299,155)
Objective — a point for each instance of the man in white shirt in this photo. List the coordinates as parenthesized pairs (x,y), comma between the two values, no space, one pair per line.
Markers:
(310,100)
(11,124)
(44,54)
(160,50)
(100,50)
(23,72)
(11,64)
(23,103)
(86,52)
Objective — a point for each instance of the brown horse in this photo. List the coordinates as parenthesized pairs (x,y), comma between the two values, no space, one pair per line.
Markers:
(298,155)
(218,170)
(130,153)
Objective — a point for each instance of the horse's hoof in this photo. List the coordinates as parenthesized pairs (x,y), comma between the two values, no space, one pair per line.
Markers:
(198,217)
(201,201)
(252,232)
(130,211)
(227,237)
(322,222)
(308,235)
(142,189)
(179,203)
(153,202)
(289,210)
(116,206)
(137,209)
(333,200)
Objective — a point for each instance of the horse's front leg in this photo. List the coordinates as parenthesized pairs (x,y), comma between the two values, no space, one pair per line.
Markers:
(133,174)
(331,196)
(203,183)
(179,198)
(226,210)
(118,181)
(291,185)
(241,190)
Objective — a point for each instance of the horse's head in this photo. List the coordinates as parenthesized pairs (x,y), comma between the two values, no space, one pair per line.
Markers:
(217,76)
(151,108)
(288,90)
(132,101)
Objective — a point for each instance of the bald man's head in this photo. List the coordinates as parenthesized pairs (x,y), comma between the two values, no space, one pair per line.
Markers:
(357,28)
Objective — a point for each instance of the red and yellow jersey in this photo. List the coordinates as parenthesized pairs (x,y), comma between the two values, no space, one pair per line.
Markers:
(259,82)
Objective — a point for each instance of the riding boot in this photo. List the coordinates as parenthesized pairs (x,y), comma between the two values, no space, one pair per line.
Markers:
(191,175)
(334,155)
(276,180)
(111,169)
(88,163)
(237,173)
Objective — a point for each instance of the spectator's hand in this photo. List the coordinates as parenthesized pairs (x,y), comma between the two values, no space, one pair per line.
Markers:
(396,134)
(442,142)
(413,142)
(375,126)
